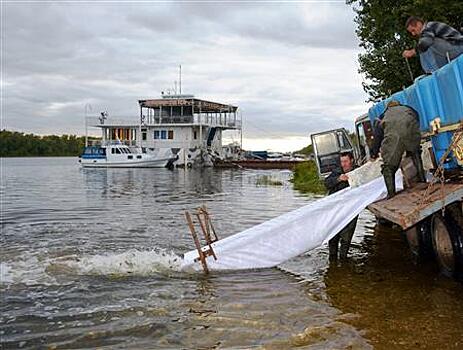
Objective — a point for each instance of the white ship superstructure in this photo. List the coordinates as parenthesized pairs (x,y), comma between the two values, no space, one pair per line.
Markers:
(191,128)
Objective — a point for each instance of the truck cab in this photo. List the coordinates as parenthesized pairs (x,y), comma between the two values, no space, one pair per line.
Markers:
(327,146)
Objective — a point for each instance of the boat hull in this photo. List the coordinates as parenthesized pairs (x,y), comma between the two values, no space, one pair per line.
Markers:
(103,163)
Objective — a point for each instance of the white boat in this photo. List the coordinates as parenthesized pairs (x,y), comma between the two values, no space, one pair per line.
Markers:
(189,127)
(118,155)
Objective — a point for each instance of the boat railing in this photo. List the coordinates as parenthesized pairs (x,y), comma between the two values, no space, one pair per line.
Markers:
(110,121)
(94,143)
(100,143)
(129,143)
(230,120)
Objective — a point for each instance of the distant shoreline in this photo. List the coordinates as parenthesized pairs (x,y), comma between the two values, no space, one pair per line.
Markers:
(18,144)
(5,157)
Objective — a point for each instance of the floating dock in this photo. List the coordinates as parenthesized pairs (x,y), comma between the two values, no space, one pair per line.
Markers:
(258,164)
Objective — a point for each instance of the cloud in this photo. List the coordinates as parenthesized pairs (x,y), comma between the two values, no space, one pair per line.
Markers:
(292,68)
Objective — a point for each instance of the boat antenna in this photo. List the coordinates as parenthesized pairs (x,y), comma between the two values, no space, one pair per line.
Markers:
(180,78)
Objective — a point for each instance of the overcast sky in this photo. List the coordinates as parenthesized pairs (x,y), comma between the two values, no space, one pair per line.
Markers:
(290,67)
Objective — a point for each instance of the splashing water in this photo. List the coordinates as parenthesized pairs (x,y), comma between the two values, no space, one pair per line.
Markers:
(32,270)
(132,262)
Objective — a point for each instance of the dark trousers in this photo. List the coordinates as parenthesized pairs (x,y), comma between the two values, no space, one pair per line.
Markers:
(344,237)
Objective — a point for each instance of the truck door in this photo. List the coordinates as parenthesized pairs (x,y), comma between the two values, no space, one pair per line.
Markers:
(364,137)
(328,146)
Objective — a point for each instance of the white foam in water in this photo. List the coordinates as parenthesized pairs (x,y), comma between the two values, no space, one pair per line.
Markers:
(27,270)
(6,275)
(132,262)
(31,270)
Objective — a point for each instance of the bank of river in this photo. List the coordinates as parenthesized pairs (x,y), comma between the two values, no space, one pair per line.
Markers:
(89,258)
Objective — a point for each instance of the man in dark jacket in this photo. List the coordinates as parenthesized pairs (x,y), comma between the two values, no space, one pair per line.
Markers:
(398,131)
(336,181)
(438,43)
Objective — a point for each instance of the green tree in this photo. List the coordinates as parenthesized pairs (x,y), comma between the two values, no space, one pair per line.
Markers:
(307,150)
(18,144)
(382,34)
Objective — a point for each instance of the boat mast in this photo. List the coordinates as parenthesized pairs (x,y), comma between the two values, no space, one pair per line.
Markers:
(180,78)
(87,107)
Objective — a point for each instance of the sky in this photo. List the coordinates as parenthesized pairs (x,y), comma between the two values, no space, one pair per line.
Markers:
(290,67)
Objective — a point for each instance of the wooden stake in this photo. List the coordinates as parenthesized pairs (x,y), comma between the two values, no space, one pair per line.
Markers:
(202,258)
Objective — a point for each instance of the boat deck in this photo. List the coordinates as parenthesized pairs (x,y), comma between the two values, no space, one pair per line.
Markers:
(405,210)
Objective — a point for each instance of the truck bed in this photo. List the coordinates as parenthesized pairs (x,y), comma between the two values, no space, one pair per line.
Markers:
(403,209)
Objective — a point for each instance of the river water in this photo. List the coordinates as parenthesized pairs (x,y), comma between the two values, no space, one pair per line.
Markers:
(90,258)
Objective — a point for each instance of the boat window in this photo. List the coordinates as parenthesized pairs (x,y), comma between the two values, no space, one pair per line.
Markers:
(130,157)
(113,150)
(195,135)
(143,135)
(156,134)
(138,157)
(163,134)
(118,151)
(170,134)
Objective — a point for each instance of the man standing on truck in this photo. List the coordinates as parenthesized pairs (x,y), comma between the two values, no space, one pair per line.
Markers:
(398,131)
(336,181)
(438,43)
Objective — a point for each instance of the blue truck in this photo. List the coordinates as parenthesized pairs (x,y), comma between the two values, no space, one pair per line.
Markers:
(431,214)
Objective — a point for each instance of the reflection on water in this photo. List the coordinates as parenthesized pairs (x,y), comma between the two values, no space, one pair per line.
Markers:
(399,304)
(89,258)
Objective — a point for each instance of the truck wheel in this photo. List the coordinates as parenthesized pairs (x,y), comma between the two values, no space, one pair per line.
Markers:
(419,239)
(448,245)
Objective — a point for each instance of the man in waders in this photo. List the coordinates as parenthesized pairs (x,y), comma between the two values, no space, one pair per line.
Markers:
(398,131)
(336,181)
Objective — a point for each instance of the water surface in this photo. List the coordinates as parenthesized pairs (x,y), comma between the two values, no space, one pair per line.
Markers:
(90,258)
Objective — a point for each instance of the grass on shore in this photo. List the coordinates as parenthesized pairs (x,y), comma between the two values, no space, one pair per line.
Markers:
(266,180)
(305,178)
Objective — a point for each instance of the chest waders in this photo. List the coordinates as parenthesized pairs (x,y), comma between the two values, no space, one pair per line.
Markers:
(401,134)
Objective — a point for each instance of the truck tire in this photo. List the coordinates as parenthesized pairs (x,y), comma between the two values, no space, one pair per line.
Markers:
(419,239)
(448,245)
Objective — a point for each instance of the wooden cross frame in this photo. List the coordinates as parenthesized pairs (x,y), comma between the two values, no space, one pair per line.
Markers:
(210,236)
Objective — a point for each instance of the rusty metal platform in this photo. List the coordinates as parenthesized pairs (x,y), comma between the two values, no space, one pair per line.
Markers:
(404,209)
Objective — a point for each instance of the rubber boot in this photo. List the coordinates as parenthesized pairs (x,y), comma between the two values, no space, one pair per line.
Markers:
(389,179)
(333,245)
(418,163)
(346,238)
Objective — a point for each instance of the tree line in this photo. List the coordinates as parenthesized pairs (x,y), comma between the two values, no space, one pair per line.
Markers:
(383,37)
(18,144)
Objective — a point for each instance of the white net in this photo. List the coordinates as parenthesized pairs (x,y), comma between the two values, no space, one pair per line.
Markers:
(366,173)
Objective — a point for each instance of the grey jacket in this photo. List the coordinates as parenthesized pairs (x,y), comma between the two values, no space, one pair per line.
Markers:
(440,30)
